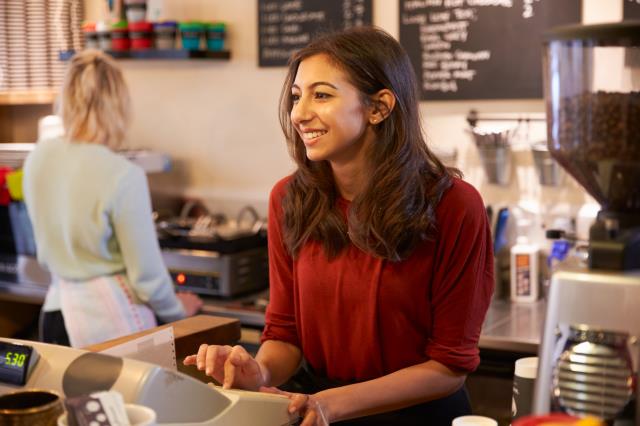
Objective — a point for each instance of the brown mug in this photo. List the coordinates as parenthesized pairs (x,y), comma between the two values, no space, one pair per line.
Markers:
(30,407)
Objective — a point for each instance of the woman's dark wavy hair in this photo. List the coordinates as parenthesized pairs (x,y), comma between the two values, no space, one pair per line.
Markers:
(396,210)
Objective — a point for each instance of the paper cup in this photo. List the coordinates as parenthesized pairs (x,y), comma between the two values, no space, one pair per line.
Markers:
(138,415)
(474,421)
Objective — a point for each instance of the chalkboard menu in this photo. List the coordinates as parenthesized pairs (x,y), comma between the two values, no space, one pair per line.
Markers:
(286,26)
(480,49)
(631,9)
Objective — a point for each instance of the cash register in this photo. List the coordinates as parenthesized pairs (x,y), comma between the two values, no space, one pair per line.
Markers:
(177,399)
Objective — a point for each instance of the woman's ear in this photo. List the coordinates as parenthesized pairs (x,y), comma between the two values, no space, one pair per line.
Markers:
(382,103)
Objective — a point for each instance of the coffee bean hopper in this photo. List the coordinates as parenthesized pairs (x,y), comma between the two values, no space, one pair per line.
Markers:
(590,353)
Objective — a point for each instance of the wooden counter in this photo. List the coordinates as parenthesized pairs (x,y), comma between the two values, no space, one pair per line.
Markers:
(189,334)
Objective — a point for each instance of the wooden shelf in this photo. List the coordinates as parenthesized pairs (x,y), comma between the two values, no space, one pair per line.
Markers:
(172,54)
(28,97)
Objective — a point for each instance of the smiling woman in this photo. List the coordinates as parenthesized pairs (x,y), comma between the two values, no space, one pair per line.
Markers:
(380,261)
(327,113)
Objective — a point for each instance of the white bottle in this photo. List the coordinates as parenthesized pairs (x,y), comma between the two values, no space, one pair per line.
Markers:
(525,285)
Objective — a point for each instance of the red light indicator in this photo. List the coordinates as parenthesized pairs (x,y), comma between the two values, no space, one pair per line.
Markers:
(180,279)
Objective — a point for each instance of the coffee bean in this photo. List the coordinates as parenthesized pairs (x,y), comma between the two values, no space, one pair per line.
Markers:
(598,142)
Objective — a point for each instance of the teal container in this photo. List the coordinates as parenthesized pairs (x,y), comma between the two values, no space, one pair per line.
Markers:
(216,34)
(191,33)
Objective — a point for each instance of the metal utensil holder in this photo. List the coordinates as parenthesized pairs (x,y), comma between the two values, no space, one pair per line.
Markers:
(549,171)
(496,161)
(494,147)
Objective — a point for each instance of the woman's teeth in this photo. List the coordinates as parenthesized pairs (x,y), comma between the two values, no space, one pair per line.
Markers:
(312,135)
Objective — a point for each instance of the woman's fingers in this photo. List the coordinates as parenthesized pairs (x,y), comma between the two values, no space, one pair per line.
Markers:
(298,402)
(271,389)
(190,360)
(210,359)
(216,358)
(308,406)
(310,419)
(201,356)
(230,366)
(238,361)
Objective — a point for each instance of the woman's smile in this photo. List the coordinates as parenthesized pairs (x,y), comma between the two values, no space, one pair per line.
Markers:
(311,136)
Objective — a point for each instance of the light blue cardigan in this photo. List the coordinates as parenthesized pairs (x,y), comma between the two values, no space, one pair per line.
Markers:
(91,215)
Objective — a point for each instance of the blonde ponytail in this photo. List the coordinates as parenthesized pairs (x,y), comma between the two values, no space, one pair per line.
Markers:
(95,105)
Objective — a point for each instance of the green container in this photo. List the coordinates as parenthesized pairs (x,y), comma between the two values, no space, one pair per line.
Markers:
(216,34)
(191,33)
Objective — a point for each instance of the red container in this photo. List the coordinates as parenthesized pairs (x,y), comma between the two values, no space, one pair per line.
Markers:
(140,34)
(119,39)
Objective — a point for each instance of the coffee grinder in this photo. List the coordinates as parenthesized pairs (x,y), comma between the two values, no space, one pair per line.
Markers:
(590,351)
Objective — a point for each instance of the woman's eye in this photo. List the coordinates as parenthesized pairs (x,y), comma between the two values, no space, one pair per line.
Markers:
(322,95)
(295,98)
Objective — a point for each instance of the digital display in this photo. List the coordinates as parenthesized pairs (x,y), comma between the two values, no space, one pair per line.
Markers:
(15,361)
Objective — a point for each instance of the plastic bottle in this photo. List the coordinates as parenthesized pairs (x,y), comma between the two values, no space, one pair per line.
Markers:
(524,267)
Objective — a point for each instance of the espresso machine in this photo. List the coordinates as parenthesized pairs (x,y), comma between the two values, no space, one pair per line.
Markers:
(590,351)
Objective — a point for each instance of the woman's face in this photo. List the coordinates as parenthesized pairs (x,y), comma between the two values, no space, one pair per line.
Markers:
(328,112)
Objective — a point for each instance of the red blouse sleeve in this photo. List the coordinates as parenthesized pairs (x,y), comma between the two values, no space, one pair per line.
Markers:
(280,319)
(462,278)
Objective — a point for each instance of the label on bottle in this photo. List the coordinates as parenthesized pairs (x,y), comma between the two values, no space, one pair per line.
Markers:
(523,275)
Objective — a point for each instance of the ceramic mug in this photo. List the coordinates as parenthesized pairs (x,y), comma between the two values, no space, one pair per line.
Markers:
(30,407)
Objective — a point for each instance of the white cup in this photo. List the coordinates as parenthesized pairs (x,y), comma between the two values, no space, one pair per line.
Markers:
(524,377)
(527,367)
(138,415)
(474,421)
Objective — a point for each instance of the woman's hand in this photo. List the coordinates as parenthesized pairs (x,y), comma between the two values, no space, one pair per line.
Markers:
(191,302)
(230,366)
(310,407)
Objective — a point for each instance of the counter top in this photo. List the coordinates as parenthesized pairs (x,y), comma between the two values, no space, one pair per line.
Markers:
(513,326)
(508,326)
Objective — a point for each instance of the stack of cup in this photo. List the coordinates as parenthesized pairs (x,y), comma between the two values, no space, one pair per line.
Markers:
(526,370)
(136,10)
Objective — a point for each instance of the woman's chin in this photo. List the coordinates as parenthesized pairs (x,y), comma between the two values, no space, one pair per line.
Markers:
(314,155)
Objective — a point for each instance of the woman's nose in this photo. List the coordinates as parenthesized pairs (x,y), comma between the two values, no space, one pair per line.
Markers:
(301,111)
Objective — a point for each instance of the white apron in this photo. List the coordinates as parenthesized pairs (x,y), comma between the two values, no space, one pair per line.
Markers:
(100,309)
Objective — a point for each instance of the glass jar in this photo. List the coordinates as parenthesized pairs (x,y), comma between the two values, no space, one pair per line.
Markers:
(592,88)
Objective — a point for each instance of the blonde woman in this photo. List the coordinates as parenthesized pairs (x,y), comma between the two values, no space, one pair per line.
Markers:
(91,214)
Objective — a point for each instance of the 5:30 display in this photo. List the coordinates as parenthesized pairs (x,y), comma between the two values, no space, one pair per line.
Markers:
(14,359)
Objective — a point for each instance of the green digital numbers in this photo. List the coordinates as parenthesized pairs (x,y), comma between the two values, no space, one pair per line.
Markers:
(14,359)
